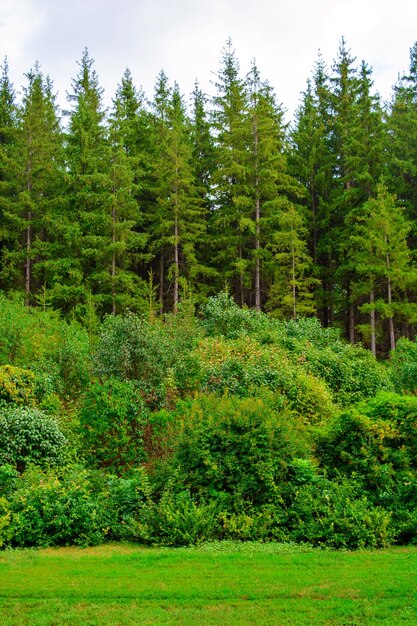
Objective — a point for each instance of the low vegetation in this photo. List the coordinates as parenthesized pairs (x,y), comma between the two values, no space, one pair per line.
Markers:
(227,425)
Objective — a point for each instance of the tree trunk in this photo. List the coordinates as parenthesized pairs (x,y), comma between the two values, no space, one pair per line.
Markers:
(257,220)
(161,283)
(113,260)
(372,320)
(389,296)
(28,264)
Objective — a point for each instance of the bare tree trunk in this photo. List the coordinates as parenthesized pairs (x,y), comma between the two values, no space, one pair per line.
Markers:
(351,323)
(176,265)
(161,283)
(113,260)
(294,291)
(389,296)
(28,263)
(390,319)
(372,320)
(257,220)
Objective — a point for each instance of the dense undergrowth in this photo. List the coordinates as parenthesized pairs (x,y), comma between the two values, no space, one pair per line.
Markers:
(227,425)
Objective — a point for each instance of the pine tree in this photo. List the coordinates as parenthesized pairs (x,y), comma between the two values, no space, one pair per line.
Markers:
(311,161)
(231,223)
(271,186)
(402,147)
(380,257)
(37,155)
(90,199)
(8,165)
(178,222)
(127,237)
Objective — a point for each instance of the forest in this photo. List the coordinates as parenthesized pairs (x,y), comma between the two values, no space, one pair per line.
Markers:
(207,315)
(163,200)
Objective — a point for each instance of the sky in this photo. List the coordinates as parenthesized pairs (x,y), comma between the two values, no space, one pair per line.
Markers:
(185,39)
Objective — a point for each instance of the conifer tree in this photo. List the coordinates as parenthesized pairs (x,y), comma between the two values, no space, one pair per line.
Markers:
(311,161)
(8,165)
(231,222)
(90,200)
(125,171)
(270,183)
(380,257)
(402,147)
(37,157)
(178,223)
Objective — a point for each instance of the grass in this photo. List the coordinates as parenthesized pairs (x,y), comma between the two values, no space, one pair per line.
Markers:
(219,584)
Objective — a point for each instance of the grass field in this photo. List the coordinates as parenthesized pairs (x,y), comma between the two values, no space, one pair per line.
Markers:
(218,584)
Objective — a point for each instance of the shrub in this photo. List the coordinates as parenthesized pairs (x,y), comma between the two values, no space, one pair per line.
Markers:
(404,366)
(222,316)
(178,520)
(29,436)
(16,385)
(240,448)
(112,418)
(244,366)
(47,510)
(337,515)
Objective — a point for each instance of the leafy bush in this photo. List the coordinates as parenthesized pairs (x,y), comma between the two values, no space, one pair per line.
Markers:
(47,510)
(404,366)
(112,418)
(337,515)
(29,436)
(178,520)
(240,449)
(351,372)
(32,337)
(132,348)
(222,316)
(244,366)
(16,385)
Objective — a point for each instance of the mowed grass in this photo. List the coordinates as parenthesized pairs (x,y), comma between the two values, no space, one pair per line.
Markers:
(218,584)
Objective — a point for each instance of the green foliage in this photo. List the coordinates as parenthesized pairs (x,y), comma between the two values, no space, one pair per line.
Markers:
(112,418)
(149,353)
(178,520)
(46,510)
(404,366)
(16,385)
(243,367)
(222,316)
(337,515)
(29,436)
(56,351)
(238,449)
(371,448)
(350,371)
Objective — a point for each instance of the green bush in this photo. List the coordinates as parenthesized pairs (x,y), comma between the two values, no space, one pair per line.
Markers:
(351,372)
(404,366)
(337,515)
(112,417)
(17,385)
(32,337)
(47,510)
(132,348)
(244,367)
(238,448)
(178,520)
(223,317)
(29,436)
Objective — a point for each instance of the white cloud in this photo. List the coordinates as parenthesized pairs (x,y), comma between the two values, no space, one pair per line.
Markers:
(185,37)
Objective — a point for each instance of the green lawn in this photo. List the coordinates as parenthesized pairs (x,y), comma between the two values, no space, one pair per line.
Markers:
(219,584)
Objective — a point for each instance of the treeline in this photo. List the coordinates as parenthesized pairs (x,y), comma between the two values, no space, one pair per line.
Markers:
(151,204)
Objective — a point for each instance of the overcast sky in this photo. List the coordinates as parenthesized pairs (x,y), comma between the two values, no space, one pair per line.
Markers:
(185,38)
